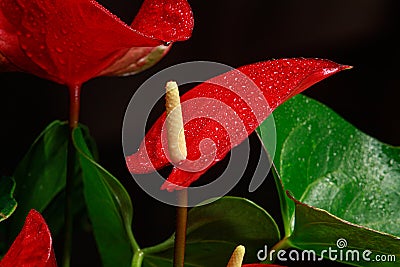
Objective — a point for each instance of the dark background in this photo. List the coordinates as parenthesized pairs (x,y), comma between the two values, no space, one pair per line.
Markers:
(361,33)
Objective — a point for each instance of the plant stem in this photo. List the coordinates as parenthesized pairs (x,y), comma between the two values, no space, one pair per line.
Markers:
(137,259)
(181,225)
(281,245)
(283,201)
(74,104)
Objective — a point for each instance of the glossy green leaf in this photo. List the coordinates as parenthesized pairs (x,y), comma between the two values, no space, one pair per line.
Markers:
(7,202)
(54,212)
(353,180)
(214,230)
(318,230)
(109,207)
(40,176)
(40,181)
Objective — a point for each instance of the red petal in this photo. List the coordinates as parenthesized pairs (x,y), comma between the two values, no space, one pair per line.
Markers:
(33,245)
(135,60)
(71,41)
(234,106)
(168,20)
(6,65)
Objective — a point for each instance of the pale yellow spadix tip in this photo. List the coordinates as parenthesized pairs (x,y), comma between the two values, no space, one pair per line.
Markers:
(174,123)
(237,257)
(171,85)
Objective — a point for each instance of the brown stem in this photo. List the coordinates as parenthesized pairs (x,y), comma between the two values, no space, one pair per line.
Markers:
(181,224)
(74,104)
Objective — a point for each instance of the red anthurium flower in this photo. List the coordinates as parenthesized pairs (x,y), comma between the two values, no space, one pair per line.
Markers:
(226,109)
(136,60)
(72,41)
(33,245)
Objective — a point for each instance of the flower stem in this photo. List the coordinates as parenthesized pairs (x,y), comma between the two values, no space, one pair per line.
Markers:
(74,104)
(181,224)
(281,245)
(137,258)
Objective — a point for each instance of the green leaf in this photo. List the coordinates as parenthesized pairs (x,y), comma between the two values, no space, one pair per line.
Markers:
(109,207)
(54,212)
(7,202)
(40,176)
(319,230)
(353,180)
(40,181)
(214,230)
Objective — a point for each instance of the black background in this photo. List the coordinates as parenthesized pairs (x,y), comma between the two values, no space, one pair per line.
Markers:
(358,32)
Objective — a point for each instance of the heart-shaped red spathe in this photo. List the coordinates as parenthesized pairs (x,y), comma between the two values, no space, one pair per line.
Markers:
(220,113)
(33,245)
(135,60)
(72,41)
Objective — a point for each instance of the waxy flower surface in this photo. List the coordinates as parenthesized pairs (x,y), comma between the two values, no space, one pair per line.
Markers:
(72,41)
(223,111)
(33,245)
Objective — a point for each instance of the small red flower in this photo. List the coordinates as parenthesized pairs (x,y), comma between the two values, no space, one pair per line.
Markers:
(226,109)
(72,41)
(33,245)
